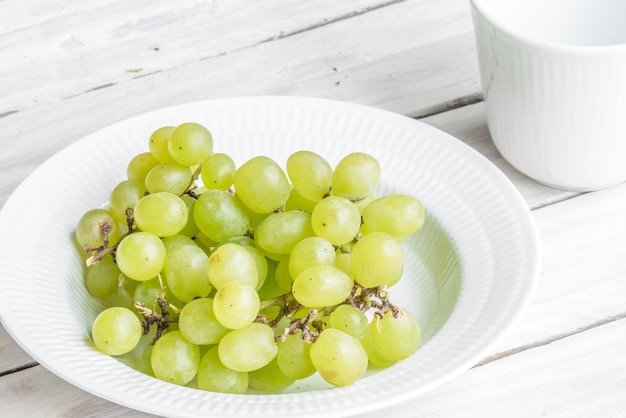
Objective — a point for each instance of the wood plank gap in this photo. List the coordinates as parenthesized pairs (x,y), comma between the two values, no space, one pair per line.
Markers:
(330,21)
(562,198)
(19,369)
(550,340)
(463,101)
(8,113)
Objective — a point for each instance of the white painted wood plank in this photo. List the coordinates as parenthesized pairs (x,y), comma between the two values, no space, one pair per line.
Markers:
(347,60)
(57,49)
(580,376)
(36,392)
(12,356)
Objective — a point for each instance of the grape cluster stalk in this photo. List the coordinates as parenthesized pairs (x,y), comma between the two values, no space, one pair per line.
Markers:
(249,276)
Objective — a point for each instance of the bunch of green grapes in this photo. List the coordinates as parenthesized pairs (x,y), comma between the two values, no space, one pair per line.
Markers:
(252,276)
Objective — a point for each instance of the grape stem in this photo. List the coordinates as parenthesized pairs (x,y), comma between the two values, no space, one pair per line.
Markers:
(152,317)
(103,250)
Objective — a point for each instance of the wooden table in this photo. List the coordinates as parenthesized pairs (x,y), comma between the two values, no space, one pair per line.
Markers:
(70,67)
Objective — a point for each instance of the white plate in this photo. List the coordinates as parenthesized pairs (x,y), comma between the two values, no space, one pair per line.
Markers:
(470,271)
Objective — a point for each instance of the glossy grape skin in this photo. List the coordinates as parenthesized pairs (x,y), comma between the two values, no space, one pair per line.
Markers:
(125,196)
(269,378)
(356,176)
(350,320)
(322,285)
(213,376)
(261,174)
(140,165)
(377,260)
(280,232)
(163,214)
(169,177)
(248,348)
(158,144)
(89,229)
(141,256)
(398,215)
(232,262)
(309,252)
(395,338)
(336,219)
(338,357)
(236,305)
(185,269)
(198,324)
(310,174)
(218,171)
(190,143)
(218,215)
(174,359)
(293,357)
(102,279)
(116,331)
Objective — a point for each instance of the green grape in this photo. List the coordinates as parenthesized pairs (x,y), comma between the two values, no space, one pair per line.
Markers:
(125,293)
(261,264)
(174,359)
(398,215)
(190,144)
(236,305)
(350,320)
(280,232)
(145,363)
(89,229)
(190,229)
(293,357)
(140,165)
(262,185)
(163,214)
(186,273)
(116,331)
(355,176)
(230,263)
(271,289)
(322,285)
(342,262)
(269,378)
(140,256)
(310,174)
(254,217)
(248,348)
(169,177)
(219,216)
(283,277)
(377,260)
(158,144)
(213,376)
(297,202)
(336,219)
(177,240)
(218,171)
(374,357)
(103,278)
(395,337)
(311,251)
(338,357)
(125,196)
(198,324)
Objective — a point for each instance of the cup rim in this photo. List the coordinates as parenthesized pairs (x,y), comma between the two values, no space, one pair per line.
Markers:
(478,7)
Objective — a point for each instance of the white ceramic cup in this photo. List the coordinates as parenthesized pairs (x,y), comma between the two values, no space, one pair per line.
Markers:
(553,74)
